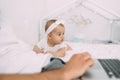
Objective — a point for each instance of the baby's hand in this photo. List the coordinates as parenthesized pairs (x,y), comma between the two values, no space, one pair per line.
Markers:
(68,47)
(39,51)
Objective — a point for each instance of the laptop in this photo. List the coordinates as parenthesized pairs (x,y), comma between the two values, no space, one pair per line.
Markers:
(103,69)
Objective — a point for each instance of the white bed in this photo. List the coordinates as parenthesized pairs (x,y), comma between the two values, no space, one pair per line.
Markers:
(18,57)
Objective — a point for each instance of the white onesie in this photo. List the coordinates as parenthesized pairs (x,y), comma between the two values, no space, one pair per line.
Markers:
(44,46)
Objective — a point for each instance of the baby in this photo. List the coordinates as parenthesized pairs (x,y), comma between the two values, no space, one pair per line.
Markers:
(53,41)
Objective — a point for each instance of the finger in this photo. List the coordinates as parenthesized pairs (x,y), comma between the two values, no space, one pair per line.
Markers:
(77,56)
(89,62)
(86,55)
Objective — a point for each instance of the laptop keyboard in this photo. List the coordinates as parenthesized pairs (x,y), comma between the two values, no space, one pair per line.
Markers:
(111,66)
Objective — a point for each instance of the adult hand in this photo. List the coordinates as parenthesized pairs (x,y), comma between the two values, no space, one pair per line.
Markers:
(77,65)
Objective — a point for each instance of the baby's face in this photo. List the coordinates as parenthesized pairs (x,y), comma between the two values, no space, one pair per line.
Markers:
(57,35)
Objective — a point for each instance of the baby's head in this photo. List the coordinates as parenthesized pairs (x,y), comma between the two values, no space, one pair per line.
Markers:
(55,31)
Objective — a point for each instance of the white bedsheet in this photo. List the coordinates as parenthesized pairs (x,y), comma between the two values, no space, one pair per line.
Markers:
(19,58)
(96,50)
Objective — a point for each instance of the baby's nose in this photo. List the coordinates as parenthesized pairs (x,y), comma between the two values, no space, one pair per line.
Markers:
(62,37)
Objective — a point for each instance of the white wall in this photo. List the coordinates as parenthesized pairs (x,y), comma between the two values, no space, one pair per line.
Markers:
(54,5)
(24,16)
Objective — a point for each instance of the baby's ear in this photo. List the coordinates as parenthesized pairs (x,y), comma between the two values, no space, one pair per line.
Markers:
(49,35)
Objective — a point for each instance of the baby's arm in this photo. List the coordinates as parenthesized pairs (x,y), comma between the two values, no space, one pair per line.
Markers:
(37,49)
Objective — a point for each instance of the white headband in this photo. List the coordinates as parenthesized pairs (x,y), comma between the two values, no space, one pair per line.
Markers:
(53,26)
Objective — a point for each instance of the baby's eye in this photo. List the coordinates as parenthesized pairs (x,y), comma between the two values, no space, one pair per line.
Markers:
(59,34)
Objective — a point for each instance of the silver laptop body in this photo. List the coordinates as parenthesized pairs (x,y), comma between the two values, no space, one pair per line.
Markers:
(97,72)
